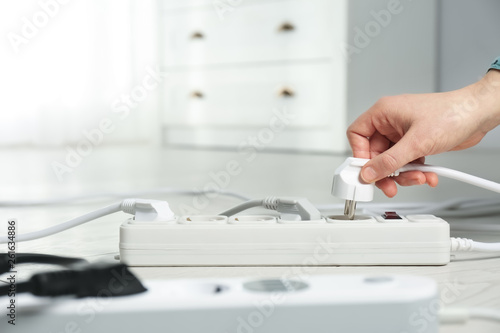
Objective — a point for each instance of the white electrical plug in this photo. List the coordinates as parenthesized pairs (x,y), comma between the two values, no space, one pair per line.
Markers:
(148,210)
(347,183)
(289,206)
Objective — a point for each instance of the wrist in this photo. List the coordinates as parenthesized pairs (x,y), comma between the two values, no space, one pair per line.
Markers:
(486,95)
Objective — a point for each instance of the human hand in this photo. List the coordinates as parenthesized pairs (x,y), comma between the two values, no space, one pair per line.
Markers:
(406,128)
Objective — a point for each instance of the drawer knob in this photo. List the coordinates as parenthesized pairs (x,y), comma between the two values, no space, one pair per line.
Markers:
(286,92)
(286,27)
(197,35)
(196,94)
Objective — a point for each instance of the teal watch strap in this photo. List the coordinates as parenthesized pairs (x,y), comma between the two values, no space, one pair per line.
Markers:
(496,64)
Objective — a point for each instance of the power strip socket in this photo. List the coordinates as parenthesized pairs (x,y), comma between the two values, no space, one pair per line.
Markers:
(319,304)
(260,240)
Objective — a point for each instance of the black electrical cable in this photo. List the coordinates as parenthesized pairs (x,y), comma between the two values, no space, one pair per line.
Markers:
(11,289)
(86,280)
(35,258)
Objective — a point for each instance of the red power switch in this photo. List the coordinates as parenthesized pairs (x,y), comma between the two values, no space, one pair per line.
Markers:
(391,216)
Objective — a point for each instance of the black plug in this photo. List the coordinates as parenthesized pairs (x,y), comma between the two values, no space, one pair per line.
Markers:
(6,262)
(94,280)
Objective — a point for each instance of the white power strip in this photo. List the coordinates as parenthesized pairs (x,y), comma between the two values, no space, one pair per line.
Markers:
(321,304)
(266,240)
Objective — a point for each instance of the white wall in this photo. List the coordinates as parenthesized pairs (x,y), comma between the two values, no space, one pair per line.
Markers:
(469,42)
(401,59)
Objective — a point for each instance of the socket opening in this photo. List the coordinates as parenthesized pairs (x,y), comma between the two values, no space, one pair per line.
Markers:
(252,219)
(203,219)
(343,218)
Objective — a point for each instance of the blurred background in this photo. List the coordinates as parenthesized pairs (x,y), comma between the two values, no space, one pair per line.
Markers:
(104,98)
(227,67)
(244,76)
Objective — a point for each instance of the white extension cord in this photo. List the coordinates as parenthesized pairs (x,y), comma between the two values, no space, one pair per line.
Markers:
(264,240)
(296,303)
(158,211)
(154,219)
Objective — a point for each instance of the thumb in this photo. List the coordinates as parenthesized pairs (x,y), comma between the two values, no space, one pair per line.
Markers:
(384,164)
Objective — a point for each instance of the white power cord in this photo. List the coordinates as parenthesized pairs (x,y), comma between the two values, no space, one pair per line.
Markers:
(294,206)
(468,245)
(452,174)
(144,210)
(462,315)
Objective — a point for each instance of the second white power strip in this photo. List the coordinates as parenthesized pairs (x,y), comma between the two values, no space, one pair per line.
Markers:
(267,240)
(319,304)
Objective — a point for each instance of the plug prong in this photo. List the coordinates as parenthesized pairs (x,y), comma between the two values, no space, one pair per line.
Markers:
(350,209)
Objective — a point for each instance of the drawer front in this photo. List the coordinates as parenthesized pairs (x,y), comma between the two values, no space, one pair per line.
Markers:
(288,30)
(246,97)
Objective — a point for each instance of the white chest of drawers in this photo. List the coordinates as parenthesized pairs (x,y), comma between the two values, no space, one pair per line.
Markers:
(233,64)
